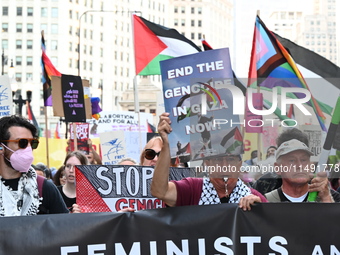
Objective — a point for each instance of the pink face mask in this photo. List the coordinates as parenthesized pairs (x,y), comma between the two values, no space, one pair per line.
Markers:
(21,159)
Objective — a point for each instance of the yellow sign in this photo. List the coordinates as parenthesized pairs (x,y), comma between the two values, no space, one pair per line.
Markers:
(56,151)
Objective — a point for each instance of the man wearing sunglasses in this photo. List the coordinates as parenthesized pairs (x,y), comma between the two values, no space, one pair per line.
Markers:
(220,187)
(19,192)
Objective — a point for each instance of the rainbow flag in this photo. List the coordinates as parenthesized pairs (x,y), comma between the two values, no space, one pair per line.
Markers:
(48,70)
(272,66)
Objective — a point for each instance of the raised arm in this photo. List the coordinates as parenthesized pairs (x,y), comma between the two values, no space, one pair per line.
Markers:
(160,186)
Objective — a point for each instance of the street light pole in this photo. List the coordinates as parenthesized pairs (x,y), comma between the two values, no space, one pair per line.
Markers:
(20,101)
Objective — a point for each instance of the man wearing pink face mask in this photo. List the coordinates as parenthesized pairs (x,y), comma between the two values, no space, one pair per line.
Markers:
(19,193)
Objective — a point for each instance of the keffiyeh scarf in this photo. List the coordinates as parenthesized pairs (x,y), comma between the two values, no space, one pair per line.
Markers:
(209,194)
(24,201)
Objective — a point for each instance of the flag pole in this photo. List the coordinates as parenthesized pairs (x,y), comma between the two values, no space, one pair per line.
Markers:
(46,137)
(259,154)
(135,88)
(75,136)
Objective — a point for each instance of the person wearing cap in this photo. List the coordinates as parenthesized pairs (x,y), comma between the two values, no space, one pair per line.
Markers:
(294,166)
(224,187)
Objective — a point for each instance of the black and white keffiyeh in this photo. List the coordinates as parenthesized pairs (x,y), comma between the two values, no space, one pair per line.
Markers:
(209,194)
(24,201)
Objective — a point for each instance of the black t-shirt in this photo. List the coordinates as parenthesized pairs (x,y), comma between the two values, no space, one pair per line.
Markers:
(51,203)
(68,201)
(52,200)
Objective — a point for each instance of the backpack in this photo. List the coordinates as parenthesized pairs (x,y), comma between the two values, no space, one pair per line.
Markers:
(40,181)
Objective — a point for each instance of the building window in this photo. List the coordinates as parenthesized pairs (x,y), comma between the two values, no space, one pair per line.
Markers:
(101,68)
(90,51)
(29,11)
(18,61)
(192,23)
(29,44)
(84,65)
(153,111)
(175,22)
(29,76)
(200,23)
(4,27)
(54,12)
(43,27)
(18,77)
(176,9)
(5,11)
(183,9)
(70,46)
(29,28)
(183,22)
(4,44)
(70,14)
(199,10)
(90,67)
(70,63)
(192,36)
(19,44)
(29,61)
(192,10)
(54,45)
(54,28)
(19,27)
(85,49)
(19,11)
(43,12)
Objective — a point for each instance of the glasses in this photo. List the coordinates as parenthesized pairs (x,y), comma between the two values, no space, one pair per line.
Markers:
(150,154)
(23,142)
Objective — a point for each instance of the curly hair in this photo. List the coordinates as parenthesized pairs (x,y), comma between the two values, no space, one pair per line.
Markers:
(15,121)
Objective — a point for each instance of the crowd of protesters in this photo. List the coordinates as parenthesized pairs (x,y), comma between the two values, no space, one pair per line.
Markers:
(293,179)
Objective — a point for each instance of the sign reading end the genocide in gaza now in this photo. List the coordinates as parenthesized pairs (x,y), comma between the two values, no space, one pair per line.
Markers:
(109,188)
(197,92)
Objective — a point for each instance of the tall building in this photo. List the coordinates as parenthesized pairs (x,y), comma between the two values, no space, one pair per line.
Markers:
(207,19)
(98,34)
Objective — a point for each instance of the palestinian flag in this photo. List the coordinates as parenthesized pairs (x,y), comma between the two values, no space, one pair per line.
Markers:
(206,45)
(154,43)
(32,118)
(233,142)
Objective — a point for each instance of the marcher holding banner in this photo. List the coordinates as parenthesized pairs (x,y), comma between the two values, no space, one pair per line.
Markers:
(20,191)
(222,187)
(295,167)
(68,191)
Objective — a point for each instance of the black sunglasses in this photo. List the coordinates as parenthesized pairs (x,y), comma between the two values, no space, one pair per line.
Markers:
(23,142)
(150,154)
